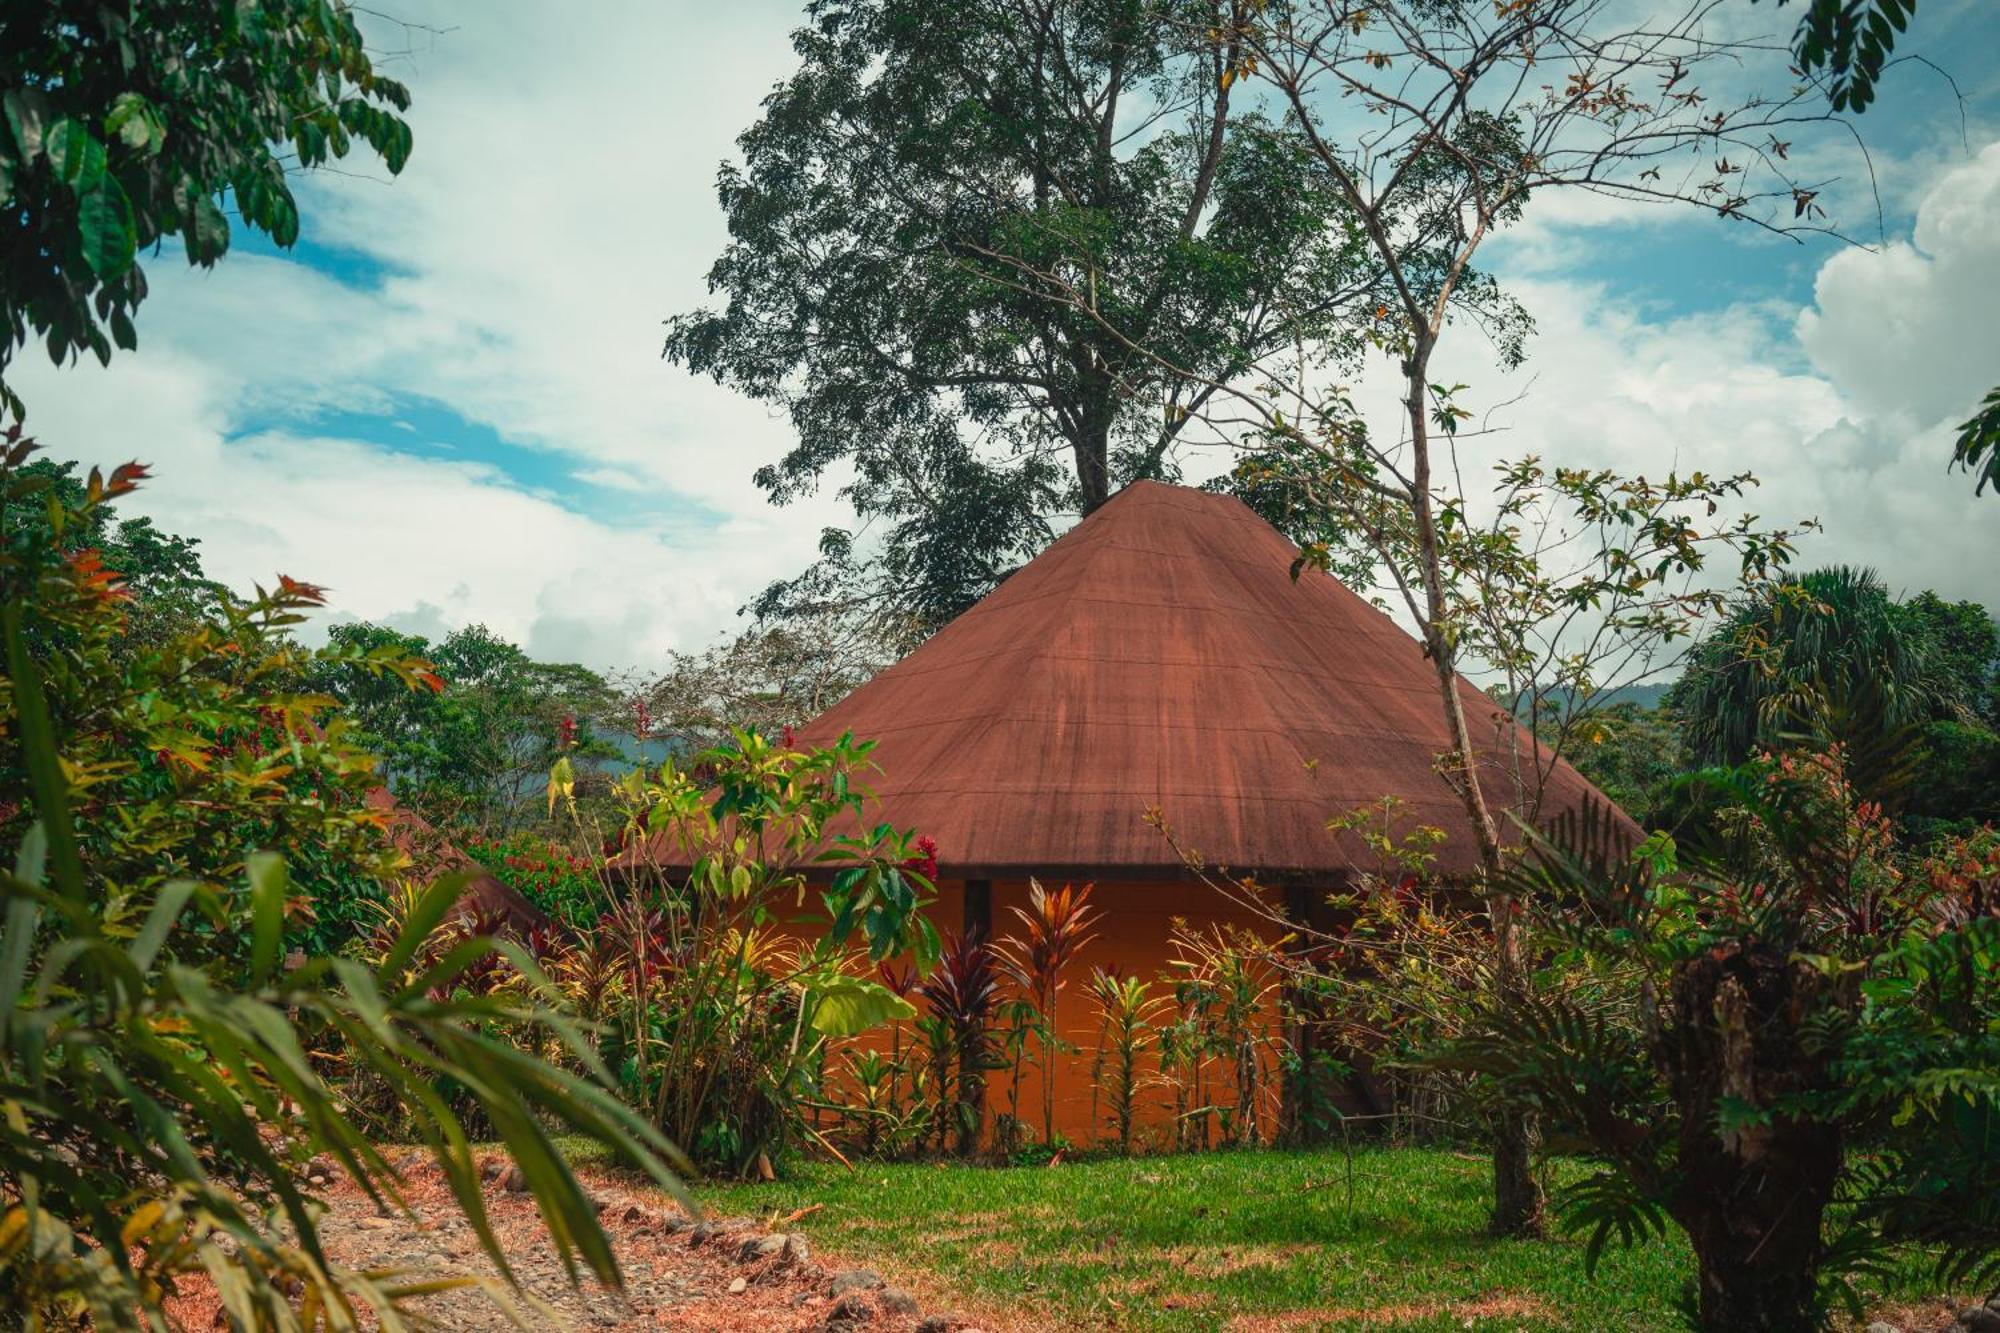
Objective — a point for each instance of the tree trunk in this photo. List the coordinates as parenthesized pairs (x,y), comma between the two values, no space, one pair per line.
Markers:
(1752,1195)
(1093,463)
(1517,1195)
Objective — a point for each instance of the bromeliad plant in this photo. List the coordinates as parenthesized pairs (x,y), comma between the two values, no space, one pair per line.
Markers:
(164,1078)
(726,1023)
(1787,1043)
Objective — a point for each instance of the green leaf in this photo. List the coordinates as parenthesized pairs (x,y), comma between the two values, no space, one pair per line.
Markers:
(269,882)
(846,1005)
(104,226)
(133,120)
(38,756)
(204,229)
(27,114)
(166,910)
(76,155)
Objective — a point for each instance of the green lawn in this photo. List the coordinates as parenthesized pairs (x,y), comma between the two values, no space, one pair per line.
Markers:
(1271,1239)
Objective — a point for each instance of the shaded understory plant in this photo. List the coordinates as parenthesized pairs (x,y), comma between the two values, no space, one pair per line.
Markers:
(1786,1042)
(1225,986)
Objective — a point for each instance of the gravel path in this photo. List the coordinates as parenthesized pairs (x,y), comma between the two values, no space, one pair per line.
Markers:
(723,1275)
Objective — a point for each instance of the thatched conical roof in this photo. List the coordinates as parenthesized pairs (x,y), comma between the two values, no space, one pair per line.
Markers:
(1160,654)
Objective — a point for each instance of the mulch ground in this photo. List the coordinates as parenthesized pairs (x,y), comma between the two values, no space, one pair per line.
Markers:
(678,1273)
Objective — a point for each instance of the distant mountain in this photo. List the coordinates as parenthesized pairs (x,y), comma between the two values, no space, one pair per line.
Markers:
(1647,696)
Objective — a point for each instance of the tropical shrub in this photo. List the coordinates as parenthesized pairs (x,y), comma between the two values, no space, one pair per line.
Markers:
(560,881)
(726,1016)
(1126,1008)
(164,1078)
(1226,981)
(1787,1043)
(962,992)
(1055,927)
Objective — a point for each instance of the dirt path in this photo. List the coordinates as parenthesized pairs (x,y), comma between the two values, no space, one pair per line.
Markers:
(720,1274)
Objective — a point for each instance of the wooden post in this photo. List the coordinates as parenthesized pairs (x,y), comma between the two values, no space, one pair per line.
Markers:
(979,908)
(1304,1093)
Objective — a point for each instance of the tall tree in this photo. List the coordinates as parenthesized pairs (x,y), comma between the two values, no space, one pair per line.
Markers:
(474,752)
(1432,122)
(160,572)
(131,121)
(911,200)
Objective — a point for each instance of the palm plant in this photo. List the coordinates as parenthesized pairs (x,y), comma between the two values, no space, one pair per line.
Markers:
(1055,927)
(1755,1003)
(1794,649)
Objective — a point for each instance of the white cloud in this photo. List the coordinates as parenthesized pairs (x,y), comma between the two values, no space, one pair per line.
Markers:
(1844,410)
(559,207)
(1907,332)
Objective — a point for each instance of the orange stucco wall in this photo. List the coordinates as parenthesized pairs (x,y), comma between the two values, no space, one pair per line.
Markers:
(1132,931)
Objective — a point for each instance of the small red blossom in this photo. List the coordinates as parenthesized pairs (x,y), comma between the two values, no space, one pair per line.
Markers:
(642,719)
(566,731)
(925,862)
(787,738)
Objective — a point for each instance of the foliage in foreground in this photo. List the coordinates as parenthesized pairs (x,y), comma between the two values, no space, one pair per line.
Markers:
(717,1014)
(1788,1044)
(127,123)
(165,1074)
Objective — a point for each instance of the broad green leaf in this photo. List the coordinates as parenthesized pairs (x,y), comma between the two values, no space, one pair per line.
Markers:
(204,230)
(27,114)
(76,155)
(844,1005)
(104,225)
(270,881)
(133,120)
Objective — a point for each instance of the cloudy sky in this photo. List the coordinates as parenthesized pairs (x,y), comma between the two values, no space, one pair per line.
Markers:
(447,404)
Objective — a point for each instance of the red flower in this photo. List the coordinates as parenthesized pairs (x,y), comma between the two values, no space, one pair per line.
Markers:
(566,731)
(787,738)
(925,863)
